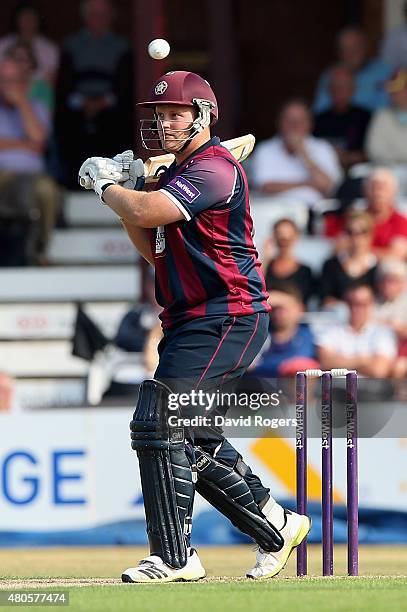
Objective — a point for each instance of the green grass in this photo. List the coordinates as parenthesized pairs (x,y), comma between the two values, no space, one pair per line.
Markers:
(357,594)
(315,594)
(381,586)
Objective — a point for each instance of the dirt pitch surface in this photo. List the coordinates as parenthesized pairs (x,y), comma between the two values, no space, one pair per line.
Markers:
(104,565)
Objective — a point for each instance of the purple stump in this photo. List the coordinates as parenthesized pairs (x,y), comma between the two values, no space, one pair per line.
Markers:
(352,472)
(326,452)
(301,461)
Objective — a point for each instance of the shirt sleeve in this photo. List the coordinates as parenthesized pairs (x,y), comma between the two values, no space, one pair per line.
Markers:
(385,343)
(208,183)
(328,338)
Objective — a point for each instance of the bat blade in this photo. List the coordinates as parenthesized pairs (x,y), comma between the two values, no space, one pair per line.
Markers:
(240,148)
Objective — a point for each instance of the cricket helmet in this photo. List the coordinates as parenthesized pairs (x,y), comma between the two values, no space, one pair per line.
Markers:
(187,89)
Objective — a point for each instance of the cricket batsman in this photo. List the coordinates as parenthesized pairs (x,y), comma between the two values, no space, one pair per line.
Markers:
(195,228)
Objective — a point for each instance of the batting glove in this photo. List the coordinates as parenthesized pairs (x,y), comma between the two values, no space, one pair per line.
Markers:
(98,173)
(135,168)
(136,176)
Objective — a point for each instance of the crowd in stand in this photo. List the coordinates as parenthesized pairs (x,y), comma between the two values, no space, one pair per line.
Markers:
(57,107)
(349,147)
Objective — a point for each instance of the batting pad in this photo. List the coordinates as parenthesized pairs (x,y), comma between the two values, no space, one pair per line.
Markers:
(225,488)
(166,477)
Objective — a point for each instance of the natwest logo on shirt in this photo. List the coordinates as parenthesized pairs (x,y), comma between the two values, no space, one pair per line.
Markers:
(185,188)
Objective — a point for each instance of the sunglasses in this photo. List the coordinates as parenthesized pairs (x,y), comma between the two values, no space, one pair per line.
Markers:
(362,303)
(359,232)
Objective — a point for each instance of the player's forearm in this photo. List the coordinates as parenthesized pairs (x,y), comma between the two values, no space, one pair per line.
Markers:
(126,203)
(141,240)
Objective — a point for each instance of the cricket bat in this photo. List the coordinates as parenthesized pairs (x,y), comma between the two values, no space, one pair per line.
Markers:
(240,148)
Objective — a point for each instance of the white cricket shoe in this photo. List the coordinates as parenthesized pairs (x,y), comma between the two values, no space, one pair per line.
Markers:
(295,530)
(153,569)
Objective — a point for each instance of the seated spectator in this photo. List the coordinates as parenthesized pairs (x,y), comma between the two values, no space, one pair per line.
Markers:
(361,344)
(355,264)
(391,307)
(26,194)
(94,96)
(295,165)
(389,226)
(289,339)
(394,47)
(344,123)
(22,53)
(26,28)
(283,267)
(387,134)
(369,73)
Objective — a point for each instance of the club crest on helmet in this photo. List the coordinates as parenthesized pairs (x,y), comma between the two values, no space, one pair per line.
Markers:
(160,88)
(182,88)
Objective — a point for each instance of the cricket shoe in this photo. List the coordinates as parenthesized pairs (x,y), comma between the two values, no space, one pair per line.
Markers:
(269,564)
(153,569)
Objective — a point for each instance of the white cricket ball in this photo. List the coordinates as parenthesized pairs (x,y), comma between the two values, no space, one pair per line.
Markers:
(158,48)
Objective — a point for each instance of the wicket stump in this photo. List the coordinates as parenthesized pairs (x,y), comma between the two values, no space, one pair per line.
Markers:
(301,384)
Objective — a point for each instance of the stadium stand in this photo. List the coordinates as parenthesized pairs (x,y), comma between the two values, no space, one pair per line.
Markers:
(91,262)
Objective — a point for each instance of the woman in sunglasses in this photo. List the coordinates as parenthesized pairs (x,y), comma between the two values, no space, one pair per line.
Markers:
(354,264)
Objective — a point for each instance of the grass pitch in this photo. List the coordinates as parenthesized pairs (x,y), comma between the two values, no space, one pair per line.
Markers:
(382,584)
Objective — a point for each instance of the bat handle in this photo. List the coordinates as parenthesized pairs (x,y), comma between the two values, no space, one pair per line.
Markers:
(139,186)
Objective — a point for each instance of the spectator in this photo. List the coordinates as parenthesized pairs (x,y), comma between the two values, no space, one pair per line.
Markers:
(387,134)
(294,165)
(25,192)
(394,47)
(355,264)
(369,73)
(362,344)
(289,339)
(343,124)
(283,267)
(26,28)
(391,309)
(389,226)
(22,53)
(93,93)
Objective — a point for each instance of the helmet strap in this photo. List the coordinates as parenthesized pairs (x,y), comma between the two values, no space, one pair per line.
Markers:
(202,121)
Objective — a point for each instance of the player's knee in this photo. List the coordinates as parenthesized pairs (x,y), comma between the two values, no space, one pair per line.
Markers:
(149,428)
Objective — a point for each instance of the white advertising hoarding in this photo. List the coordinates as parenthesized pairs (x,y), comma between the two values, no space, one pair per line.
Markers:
(72,469)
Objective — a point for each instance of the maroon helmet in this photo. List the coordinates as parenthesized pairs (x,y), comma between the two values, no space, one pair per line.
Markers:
(186,88)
